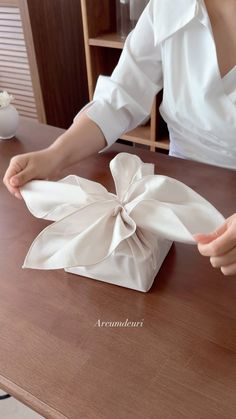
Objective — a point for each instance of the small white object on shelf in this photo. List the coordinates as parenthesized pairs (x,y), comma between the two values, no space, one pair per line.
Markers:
(9,117)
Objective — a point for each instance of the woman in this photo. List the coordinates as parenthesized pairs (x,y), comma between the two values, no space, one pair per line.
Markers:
(188,48)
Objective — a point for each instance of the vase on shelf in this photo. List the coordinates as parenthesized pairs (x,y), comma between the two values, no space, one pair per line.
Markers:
(9,119)
(128,13)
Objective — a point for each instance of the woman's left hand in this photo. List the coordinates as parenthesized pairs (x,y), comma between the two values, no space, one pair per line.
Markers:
(220,246)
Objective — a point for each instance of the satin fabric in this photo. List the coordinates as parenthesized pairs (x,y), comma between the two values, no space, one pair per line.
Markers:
(229,82)
(119,238)
(172,47)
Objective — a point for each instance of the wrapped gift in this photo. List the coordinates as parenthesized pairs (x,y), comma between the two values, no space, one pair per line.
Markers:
(120,238)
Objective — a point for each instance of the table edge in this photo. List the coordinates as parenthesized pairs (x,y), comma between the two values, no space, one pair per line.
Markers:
(29,399)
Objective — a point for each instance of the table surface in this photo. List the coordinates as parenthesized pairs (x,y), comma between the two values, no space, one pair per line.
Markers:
(53,357)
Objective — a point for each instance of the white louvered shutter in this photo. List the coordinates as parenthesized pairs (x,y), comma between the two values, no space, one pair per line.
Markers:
(14,65)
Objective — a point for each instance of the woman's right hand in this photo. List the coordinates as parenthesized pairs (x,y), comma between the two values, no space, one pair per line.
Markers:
(82,139)
(25,167)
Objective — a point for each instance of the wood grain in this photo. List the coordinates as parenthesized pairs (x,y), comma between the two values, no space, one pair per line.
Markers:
(180,365)
(57,34)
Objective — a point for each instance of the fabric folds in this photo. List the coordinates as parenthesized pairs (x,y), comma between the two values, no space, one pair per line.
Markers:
(119,238)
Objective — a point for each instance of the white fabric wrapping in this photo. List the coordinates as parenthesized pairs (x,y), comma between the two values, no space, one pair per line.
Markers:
(119,238)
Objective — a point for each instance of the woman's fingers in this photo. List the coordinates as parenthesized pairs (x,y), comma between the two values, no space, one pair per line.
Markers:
(19,180)
(16,165)
(228,258)
(219,242)
(220,246)
(229,270)
(41,164)
(24,168)
(23,177)
(208,238)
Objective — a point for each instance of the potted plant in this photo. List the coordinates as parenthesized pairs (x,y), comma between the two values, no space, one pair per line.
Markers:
(9,116)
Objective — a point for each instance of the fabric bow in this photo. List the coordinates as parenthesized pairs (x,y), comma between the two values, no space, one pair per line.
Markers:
(91,222)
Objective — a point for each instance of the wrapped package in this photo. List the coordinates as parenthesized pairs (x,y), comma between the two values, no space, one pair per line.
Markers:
(120,238)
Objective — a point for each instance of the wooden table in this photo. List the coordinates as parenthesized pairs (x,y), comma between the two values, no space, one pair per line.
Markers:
(180,364)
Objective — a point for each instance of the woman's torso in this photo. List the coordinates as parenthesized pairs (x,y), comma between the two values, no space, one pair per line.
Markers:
(198,103)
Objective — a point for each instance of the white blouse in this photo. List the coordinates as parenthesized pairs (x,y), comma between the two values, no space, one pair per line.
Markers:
(172,47)
(229,83)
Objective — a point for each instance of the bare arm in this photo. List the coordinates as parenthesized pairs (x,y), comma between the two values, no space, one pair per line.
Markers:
(83,138)
(121,102)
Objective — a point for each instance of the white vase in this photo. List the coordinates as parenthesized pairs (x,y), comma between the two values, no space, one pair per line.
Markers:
(9,119)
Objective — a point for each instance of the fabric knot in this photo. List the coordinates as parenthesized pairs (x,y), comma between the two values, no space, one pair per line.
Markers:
(116,210)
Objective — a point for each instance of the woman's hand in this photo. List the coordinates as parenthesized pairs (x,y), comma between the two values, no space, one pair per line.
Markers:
(25,167)
(220,246)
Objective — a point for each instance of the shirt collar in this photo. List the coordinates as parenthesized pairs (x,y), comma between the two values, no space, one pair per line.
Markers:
(171,16)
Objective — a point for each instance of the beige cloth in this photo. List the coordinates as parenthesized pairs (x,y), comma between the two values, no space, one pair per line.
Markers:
(119,238)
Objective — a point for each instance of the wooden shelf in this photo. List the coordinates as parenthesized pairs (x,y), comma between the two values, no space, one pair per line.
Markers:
(103,47)
(141,135)
(108,40)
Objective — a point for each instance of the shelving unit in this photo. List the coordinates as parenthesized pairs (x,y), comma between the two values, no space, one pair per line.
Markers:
(103,47)
(42,60)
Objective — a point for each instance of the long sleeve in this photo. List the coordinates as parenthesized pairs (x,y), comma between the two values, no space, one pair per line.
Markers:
(123,100)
